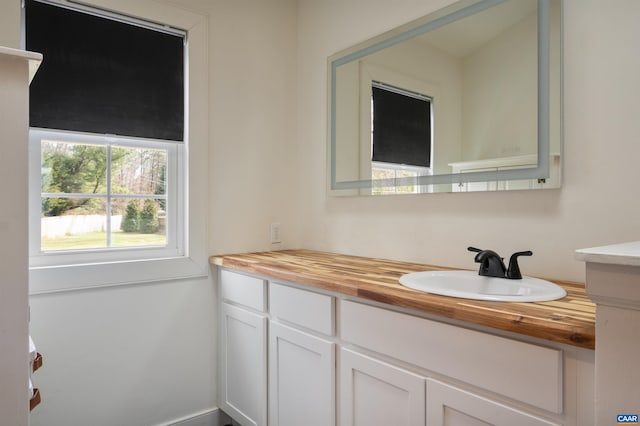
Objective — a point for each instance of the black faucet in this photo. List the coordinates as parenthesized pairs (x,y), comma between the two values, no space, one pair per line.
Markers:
(492,265)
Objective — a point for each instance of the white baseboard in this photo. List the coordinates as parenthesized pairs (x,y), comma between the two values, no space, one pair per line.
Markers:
(213,417)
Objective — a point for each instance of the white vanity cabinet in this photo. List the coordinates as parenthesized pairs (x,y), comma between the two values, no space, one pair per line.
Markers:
(242,387)
(277,365)
(332,359)
(301,358)
(487,364)
(374,392)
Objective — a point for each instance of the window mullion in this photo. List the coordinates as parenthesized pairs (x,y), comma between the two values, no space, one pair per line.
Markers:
(71,195)
(108,206)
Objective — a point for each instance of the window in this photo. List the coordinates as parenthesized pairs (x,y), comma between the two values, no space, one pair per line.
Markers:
(99,192)
(107,115)
(185,254)
(388,171)
(401,137)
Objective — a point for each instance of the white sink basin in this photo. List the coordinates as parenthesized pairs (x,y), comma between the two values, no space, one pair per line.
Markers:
(470,285)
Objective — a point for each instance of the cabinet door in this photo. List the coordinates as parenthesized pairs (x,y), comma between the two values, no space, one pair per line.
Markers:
(374,393)
(450,406)
(243,370)
(301,378)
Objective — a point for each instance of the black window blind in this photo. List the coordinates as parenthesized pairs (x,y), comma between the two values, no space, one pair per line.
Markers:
(401,128)
(104,76)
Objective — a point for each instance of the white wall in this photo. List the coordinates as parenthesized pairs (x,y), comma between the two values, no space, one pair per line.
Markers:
(500,126)
(145,354)
(597,204)
(136,355)
(253,153)
(499,108)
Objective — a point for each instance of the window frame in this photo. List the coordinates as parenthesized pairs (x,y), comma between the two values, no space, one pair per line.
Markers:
(175,235)
(192,262)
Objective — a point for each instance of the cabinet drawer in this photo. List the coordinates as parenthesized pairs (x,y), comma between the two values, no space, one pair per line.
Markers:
(304,308)
(518,370)
(243,290)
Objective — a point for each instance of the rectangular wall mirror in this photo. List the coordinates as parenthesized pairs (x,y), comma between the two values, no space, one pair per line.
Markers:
(465,99)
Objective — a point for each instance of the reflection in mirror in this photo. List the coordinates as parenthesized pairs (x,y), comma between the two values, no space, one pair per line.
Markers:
(465,99)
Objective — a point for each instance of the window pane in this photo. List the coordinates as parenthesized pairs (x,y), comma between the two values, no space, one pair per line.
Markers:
(393,173)
(138,223)
(138,171)
(84,226)
(72,168)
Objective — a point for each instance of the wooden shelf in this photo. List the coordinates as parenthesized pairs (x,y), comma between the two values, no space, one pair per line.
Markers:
(37,363)
(35,400)
(33,403)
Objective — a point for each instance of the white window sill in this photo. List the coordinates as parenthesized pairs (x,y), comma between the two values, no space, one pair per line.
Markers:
(53,279)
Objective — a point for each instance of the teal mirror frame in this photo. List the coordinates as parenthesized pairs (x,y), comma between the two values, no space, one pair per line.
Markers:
(451,14)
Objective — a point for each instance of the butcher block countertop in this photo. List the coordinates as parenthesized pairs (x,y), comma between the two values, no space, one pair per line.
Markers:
(570,320)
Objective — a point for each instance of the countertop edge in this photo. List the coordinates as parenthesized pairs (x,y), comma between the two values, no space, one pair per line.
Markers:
(626,254)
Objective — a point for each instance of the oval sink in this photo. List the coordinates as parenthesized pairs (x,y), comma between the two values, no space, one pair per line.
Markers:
(470,285)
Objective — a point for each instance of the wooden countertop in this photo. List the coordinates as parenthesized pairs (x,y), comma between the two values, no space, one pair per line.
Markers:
(570,320)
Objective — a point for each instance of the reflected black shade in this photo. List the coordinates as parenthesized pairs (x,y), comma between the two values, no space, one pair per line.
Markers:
(401,128)
(103,76)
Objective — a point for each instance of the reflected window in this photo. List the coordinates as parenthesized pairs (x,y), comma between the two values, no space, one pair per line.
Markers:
(401,135)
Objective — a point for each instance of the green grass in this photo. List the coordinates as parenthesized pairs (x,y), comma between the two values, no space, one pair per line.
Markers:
(93,240)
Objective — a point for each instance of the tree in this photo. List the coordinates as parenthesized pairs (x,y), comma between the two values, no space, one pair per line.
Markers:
(131,220)
(149,217)
(74,168)
(161,186)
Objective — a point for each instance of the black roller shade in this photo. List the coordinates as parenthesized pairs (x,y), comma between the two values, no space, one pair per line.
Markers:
(401,128)
(104,76)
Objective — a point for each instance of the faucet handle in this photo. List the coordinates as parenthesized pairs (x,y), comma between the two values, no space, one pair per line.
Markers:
(513,272)
(491,264)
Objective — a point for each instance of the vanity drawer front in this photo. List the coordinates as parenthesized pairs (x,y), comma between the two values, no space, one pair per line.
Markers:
(243,290)
(518,370)
(304,308)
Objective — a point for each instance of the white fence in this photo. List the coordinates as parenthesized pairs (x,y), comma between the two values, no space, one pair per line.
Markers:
(59,226)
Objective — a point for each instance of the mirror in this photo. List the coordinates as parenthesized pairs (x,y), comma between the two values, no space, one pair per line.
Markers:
(464,99)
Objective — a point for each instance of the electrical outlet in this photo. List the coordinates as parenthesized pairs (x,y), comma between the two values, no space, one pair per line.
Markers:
(275,233)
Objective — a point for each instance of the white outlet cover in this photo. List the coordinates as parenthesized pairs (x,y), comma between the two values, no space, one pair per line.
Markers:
(275,233)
